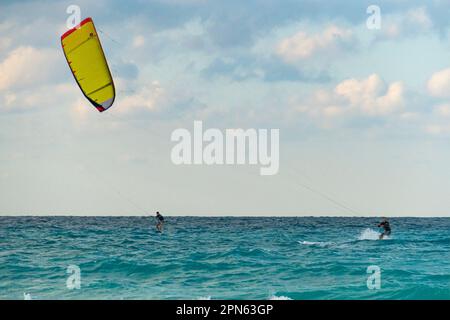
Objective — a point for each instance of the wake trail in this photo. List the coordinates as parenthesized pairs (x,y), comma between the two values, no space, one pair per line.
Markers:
(367,234)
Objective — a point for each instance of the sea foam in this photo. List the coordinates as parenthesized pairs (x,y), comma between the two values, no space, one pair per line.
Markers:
(274,297)
(370,234)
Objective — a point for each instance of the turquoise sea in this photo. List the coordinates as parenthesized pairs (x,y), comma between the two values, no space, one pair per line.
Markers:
(223,258)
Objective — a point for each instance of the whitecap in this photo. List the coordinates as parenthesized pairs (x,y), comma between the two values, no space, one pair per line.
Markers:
(274,297)
(370,234)
(313,243)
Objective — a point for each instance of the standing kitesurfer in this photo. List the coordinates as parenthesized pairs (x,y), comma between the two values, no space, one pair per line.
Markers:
(160,221)
(386,226)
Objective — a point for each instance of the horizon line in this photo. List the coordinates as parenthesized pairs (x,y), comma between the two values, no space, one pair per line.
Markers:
(223,216)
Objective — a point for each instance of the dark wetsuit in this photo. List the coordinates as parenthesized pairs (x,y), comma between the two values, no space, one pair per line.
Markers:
(386,227)
(160,219)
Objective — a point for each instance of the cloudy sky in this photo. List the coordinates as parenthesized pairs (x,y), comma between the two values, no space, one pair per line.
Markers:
(364,114)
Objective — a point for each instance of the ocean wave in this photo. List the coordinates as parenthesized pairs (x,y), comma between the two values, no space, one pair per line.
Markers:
(317,243)
(440,241)
(274,297)
(226,258)
(370,234)
(366,234)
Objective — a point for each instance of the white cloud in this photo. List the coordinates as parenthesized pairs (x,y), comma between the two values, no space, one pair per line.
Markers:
(439,84)
(372,95)
(391,30)
(332,111)
(413,21)
(366,97)
(303,46)
(437,129)
(80,109)
(419,17)
(138,41)
(25,66)
(40,96)
(443,110)
(149,97)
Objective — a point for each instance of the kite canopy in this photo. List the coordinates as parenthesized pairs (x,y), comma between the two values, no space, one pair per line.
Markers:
(84,54)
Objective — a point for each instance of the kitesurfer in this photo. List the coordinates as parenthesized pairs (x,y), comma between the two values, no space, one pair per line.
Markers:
(160,221)
(386,226)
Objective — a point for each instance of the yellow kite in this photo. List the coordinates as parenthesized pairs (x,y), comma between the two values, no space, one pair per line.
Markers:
(86,60)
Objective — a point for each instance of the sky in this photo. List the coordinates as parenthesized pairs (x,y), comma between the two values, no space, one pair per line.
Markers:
(363,113)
